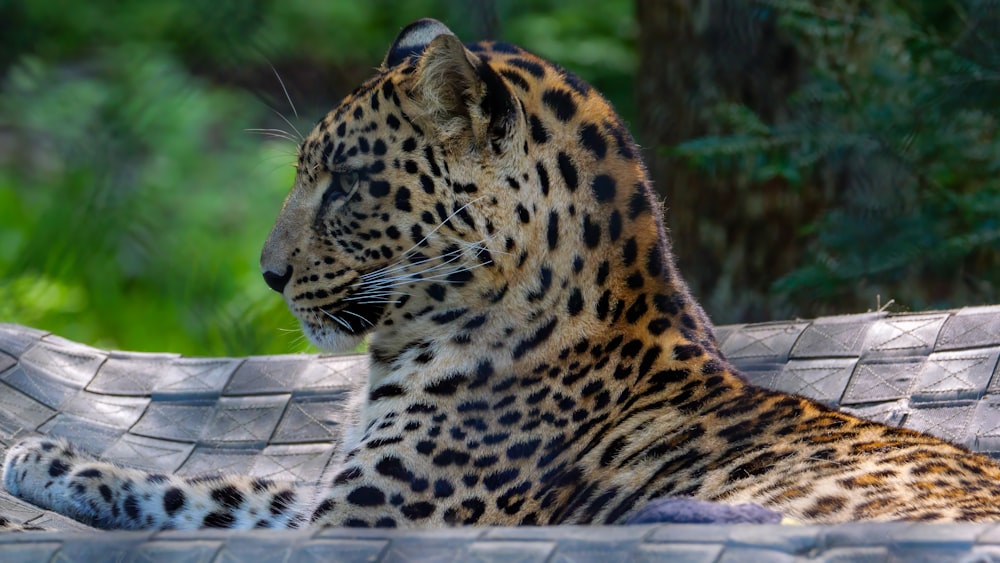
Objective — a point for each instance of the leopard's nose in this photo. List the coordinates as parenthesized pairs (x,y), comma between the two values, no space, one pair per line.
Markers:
(278,282)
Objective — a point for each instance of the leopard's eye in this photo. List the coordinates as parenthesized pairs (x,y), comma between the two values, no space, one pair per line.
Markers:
(349,182)
(342,185)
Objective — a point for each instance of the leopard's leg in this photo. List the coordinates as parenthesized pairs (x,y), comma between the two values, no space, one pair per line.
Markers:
(52,474)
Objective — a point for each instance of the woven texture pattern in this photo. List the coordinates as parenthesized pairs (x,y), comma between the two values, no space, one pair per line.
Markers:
(277,417)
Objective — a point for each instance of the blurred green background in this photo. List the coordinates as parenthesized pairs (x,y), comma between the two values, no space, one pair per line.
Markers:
(813,156)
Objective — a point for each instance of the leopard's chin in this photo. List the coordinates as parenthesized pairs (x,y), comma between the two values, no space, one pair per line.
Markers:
(330,340)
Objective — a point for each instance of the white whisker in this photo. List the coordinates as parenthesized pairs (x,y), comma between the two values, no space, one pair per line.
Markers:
(441,224)
(421,276)
(285,90)
(349,312)
(384,280)
(275,133)
(400,265)
(376,296)
(290,124)
(340,321)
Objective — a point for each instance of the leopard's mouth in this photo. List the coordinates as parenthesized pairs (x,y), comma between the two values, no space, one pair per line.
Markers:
(353,317)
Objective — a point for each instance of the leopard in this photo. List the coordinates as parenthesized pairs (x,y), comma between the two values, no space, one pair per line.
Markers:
(483,219)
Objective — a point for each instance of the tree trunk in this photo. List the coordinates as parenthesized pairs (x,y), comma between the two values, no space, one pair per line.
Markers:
(733,238)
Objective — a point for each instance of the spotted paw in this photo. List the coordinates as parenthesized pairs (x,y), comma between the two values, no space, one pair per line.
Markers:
(37,470)
(36,465)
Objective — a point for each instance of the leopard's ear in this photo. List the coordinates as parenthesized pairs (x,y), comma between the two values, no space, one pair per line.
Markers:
(453,91)
(413,39)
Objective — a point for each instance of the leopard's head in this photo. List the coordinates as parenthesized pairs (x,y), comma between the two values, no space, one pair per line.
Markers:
(403,195)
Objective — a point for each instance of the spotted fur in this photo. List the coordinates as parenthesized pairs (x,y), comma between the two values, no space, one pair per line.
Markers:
(485,218)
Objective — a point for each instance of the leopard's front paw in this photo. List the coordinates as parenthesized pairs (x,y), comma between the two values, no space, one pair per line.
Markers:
(36,466)
(39,470)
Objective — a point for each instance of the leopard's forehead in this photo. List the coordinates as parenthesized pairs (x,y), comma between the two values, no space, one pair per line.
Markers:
(551,97)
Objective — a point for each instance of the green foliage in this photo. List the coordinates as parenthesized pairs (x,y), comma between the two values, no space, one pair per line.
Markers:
(896,123)
(134,207)
(133,202)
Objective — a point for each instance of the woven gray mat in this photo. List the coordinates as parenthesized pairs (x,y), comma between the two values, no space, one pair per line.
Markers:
(277,417)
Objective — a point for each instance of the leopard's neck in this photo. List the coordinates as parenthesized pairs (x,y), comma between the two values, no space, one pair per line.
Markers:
(592,298)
